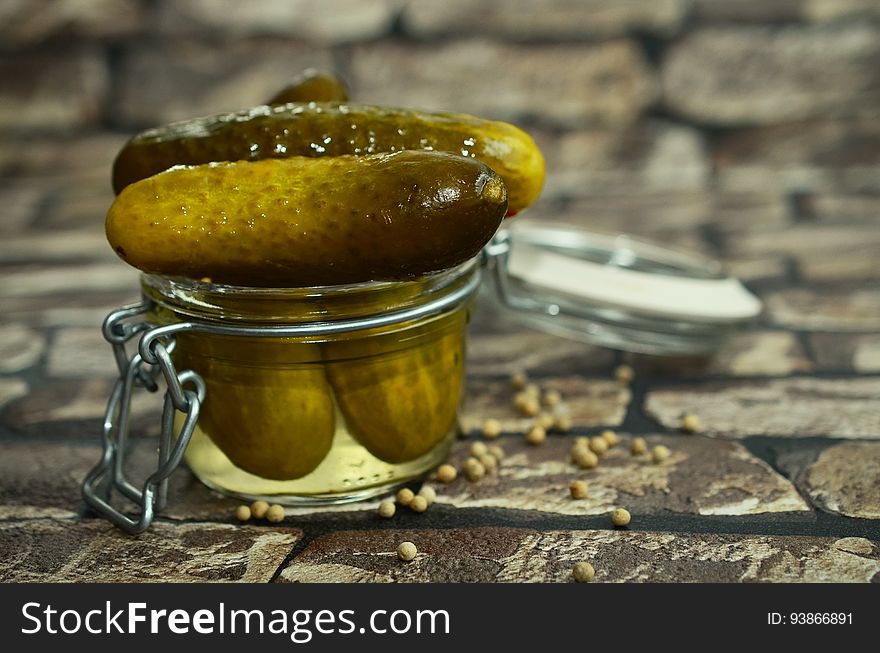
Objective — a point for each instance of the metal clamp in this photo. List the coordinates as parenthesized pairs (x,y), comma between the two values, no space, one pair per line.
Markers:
(109,473)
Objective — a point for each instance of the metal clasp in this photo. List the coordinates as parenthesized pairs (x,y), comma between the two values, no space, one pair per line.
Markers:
(109,474)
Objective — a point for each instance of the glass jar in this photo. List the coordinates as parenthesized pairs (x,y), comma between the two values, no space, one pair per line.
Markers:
(333,394)
(324,416)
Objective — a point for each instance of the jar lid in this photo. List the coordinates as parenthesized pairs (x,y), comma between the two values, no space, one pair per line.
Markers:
(616,290)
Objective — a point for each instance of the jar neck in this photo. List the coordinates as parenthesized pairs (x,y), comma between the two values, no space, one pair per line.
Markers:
(190,299)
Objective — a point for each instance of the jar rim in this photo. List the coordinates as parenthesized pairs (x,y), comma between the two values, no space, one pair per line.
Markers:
(203,300)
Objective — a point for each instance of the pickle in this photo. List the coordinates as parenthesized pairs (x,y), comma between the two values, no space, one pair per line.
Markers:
(308,222)
(400,405)
(312,86)
(277,423)
(332,129)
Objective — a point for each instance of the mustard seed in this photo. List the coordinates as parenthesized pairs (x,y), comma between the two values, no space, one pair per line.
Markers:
(275,513)
(611,438)
(638,446)
(545,421)
(583,572)
(578,490)
(407,551)
(491,430)
(532,390)
(418,503)
(660,453)
(404,496)
(536,436)
(598,445)
(624,374)
(242,513)
(387,509)
(620,517)
(690,423)
(552,398)
(584,458)
(526,404)
(446,473)
(582,441)
(496,452)
(478,449)
(518,380)
(474,469)
(562,423)
(259,509)
(428,493)
(489,462)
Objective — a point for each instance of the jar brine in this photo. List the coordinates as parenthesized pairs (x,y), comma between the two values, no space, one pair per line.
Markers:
(327,415)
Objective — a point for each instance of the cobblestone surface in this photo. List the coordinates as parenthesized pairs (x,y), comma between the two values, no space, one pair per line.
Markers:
(522,556)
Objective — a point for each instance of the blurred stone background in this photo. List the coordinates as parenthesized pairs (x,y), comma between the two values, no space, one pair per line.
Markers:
(745,129)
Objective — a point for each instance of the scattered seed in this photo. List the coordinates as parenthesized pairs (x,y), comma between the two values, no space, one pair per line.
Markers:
(387,509)
(275,513)
(624,374)
(489,462)
(545,420)
(428,493)
(446,473)
(611,438)
(552,398)
(526,404)
(660,453)
(620,517)
(582,441)
(474,469)
(404,496)
(532,390)
(583,572)
(418,503)
(578,490)
(562,423)
(584,458)
(638,446)
(518,380)
(690,423)
(407,551)
(259,509)
(496,452)
(243,513)
(491,429)
(478,449)
(536,436)
(598,445)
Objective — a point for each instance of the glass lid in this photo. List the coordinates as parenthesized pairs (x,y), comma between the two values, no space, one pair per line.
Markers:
(616,290)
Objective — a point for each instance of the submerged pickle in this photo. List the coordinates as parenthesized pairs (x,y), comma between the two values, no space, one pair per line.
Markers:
(275,422)
(333,129)
(401,404)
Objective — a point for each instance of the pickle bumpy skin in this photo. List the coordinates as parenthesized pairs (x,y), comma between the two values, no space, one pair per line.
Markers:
(333,129)
(309,222)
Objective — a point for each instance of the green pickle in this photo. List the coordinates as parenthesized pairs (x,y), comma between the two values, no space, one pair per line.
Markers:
(312,86)
(330,130)
(401,404)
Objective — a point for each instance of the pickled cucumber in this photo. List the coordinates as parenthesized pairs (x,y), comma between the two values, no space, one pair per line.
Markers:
(277,423)
(400,405)
(312,86)
(332,129)
(307,222)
